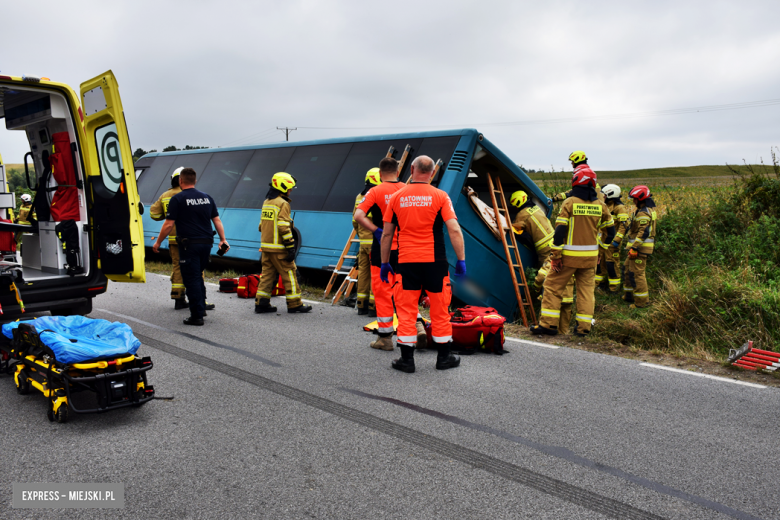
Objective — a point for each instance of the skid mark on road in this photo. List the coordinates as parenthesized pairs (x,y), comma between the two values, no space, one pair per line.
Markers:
(196,338)
(550,486)
(563,453)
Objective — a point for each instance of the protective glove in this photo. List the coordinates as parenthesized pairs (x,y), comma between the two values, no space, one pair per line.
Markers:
(290,255)
(633,253)
(384,271)
(460,269)
(378,235)
(556,264)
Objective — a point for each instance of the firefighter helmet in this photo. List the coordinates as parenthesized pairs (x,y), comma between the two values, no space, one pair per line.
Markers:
(611,191)
(578,156)
(283,181)
(518,198)
(373,177)
(177,171)
(639,193)
(26,197)
(584,177)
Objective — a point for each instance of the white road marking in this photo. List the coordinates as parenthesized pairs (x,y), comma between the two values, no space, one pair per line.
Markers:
(534,343)
(699,374)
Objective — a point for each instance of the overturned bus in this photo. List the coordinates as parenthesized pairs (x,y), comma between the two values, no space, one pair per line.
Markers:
(330,173)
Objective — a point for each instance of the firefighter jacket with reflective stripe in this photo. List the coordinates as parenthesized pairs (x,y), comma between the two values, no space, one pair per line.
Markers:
(366,237)
(160,208)
(24,213)
(577,230)
(620,216)
(641,235)
(531,220)
(276,226)
(566,194)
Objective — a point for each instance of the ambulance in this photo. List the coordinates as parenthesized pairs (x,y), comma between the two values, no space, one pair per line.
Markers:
(86,226)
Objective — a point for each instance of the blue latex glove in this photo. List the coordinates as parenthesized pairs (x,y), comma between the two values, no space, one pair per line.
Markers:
(378,235)
(615,245)
(460,269)
(384,271)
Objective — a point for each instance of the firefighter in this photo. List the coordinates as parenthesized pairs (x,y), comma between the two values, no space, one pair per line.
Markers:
(640,242)
(375,203)
(530,220)
(575,250)
(277,245)
(26,212)
(560,197)
(420,212)
(609,253)
(157,212)
(365,296)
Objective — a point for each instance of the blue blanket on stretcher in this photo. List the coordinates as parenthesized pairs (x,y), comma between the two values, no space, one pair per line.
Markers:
(76,339)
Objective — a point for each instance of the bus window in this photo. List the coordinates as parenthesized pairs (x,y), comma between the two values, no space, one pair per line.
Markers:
(254,184)
(150,181)
(438,148)
(196,161)
(315,168)
(352,177)
(221,175)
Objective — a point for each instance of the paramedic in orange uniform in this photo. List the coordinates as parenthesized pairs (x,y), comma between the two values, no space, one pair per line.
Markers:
(375,203)
(419,212)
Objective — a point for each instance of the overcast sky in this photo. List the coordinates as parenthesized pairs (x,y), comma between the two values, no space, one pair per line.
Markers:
(222,73)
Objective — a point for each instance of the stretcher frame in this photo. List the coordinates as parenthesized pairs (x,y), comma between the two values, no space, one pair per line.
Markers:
(117,381)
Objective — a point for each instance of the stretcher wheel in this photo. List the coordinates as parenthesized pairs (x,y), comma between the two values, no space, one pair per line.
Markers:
(23,386)
(62,413)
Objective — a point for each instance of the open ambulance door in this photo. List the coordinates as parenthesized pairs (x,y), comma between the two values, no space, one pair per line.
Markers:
(115,218)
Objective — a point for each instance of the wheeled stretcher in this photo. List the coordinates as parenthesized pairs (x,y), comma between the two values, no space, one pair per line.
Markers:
(47,355)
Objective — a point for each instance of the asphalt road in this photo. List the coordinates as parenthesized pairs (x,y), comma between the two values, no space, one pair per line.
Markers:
(294,416)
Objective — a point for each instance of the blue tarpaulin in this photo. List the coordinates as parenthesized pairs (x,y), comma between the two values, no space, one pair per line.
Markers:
(94,339)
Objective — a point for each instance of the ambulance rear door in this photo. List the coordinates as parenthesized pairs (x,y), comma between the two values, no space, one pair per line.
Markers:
(115,218)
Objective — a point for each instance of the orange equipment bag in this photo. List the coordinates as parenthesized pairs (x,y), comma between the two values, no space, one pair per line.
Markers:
(475,329)
(228,285)
(247,286)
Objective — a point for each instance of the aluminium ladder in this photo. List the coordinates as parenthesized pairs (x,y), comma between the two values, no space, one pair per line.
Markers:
(517,263)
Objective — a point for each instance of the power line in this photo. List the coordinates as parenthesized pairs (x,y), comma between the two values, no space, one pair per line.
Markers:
(268,130)
(286,132)
(656,113)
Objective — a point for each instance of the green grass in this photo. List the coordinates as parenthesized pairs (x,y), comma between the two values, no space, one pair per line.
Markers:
(656,173)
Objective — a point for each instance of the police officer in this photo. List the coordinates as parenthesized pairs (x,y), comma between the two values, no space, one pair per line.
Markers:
(375,203)
(278,247)
(419,212)
(157,212)
(575,250)
(640,243)
(193,212)
(365,296)
(609,253)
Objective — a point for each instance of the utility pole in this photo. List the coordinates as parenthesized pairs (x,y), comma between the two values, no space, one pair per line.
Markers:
(286,132)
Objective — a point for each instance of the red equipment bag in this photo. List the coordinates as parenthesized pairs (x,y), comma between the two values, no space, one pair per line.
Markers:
(7,239)
(228,285)
(247,286)
(476,329)
(279,289)
(65,203)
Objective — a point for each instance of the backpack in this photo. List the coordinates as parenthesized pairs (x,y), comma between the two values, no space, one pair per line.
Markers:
(247,286)
(476,329)
(228,285)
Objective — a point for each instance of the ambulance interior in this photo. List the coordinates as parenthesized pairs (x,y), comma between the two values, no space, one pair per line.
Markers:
(482,164)
(53,154)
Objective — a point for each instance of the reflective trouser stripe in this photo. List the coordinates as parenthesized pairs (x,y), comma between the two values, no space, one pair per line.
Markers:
(385,325)
(627,288)
(263,294)
(383,294)
(583,317)
(641,294)
(551,313)
(442,339)
(614,281)
(600,278)
(567,300)
(408,339)
(293,294)
(361,295)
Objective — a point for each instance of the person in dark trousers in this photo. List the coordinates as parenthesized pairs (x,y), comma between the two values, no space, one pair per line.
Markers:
(193,212)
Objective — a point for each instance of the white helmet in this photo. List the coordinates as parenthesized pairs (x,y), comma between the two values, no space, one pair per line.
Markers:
(177,171)
(611,191)
(26,197)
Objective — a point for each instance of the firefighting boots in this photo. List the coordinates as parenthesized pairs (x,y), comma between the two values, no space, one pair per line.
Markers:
(363,309)
(406,362)
(180,303)
(538,330)
(371,311)
(301,308)
(264,305)
(210,306)
(383,343)
(422,337)
(446,359)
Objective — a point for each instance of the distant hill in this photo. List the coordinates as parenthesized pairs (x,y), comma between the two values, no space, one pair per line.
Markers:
(666,173)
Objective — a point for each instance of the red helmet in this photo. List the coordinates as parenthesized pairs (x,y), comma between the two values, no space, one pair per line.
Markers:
(583,176)
(639,193)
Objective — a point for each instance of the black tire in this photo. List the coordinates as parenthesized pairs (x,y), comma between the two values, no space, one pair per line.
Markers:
(62,413)
(50,415)
(23,386)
